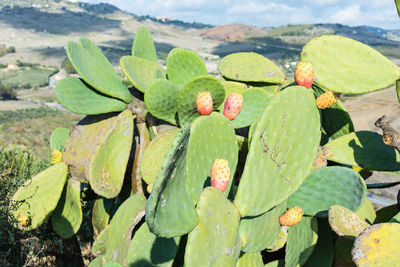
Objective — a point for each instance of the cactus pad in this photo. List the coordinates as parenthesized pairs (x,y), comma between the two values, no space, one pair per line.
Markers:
(364,149)
(282,151)
(250,67)
(328,186)
(347,66)
(378,245)
(36,199)
(109,160)
(205,146)
(183,66)
(250,260)
(67,217)
(345,222)
(366,211)
(101,214)
(143,45)
(187,110)
(257,233)
(154,154)
(215,240)
(279,241)
(140,72)
(150,250)
(79,98)
(324,250)
(301,241)
(170,194)
(255,100)
(113,242)
(96,70)
(58,138)
(161,100)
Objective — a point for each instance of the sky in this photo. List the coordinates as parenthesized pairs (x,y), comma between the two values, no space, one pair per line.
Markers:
(378,13)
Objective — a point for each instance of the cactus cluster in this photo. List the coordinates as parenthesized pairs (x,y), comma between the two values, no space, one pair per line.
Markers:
(222,159)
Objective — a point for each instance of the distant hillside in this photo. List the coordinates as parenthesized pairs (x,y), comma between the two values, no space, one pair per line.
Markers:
(232,32)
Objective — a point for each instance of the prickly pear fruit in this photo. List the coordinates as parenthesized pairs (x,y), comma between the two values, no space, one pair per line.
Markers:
(326,100)
(291,217)
(304,74)
(233,105)
(23,220)
(204,103)
(220,174)
(56,156)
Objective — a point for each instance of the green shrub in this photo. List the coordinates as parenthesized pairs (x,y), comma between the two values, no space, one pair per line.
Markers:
(67,66)
(7,93)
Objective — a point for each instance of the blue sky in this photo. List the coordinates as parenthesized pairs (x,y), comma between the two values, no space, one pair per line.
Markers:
(379,13)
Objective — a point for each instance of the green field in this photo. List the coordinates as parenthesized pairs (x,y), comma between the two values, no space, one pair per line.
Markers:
(26,77)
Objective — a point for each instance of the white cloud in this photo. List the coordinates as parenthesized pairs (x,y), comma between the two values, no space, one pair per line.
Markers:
(348,15)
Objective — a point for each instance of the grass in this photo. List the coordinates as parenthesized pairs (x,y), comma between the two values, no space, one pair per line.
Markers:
(26,77)
(33,127)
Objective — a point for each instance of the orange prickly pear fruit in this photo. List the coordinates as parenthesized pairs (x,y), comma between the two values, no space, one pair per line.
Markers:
(326,100)
(291,217)
(220,174)
(233,105)
(23,220)
(304,74)
(204,103)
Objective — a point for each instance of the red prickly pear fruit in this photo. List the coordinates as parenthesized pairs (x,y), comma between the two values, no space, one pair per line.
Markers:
(233,105)
(326,100)
(291,217)
(220,174)
(304,74)
(204,103)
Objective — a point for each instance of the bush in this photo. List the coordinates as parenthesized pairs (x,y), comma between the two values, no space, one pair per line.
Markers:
(7,93)
(67,66)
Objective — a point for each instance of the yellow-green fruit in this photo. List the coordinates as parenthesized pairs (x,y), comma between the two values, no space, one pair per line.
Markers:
(326,100)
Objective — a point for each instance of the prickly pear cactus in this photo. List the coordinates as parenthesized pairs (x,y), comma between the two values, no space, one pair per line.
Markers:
(281,153)
(345,222)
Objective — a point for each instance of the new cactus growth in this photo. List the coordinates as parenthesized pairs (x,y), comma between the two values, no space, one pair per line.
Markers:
(304,74)
(220,174)
(216,191)
(233,105)
(204,103)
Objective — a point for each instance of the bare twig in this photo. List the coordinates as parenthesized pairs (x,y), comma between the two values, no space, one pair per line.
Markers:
(28,263)
(390,136)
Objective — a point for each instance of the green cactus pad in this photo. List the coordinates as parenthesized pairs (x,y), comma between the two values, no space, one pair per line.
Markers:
(183,66)
(143,45)
(101,214)
(364,149)
(257,233)
(301,242)
(67,217)
(396,218)
(366,211)
(215,240)
(113,242)
(279,241)
(277,263)
(345,222)
(153,156)
(37,198)
(250,67)
(328,186)
(149,250)
(232,87)
(347,66)
(161,100)
(386,213)
(79,98)
(96,70)
(170,194)
(58,138)
(336,120)
(206,145)
(250,260)
(323,252)
(108,163)
(378,245)
(398,90)
(140,72)
(281,153)
(255,100)
(187,110)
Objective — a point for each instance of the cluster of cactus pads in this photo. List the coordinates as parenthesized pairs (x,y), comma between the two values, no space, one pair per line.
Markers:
(281,152)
